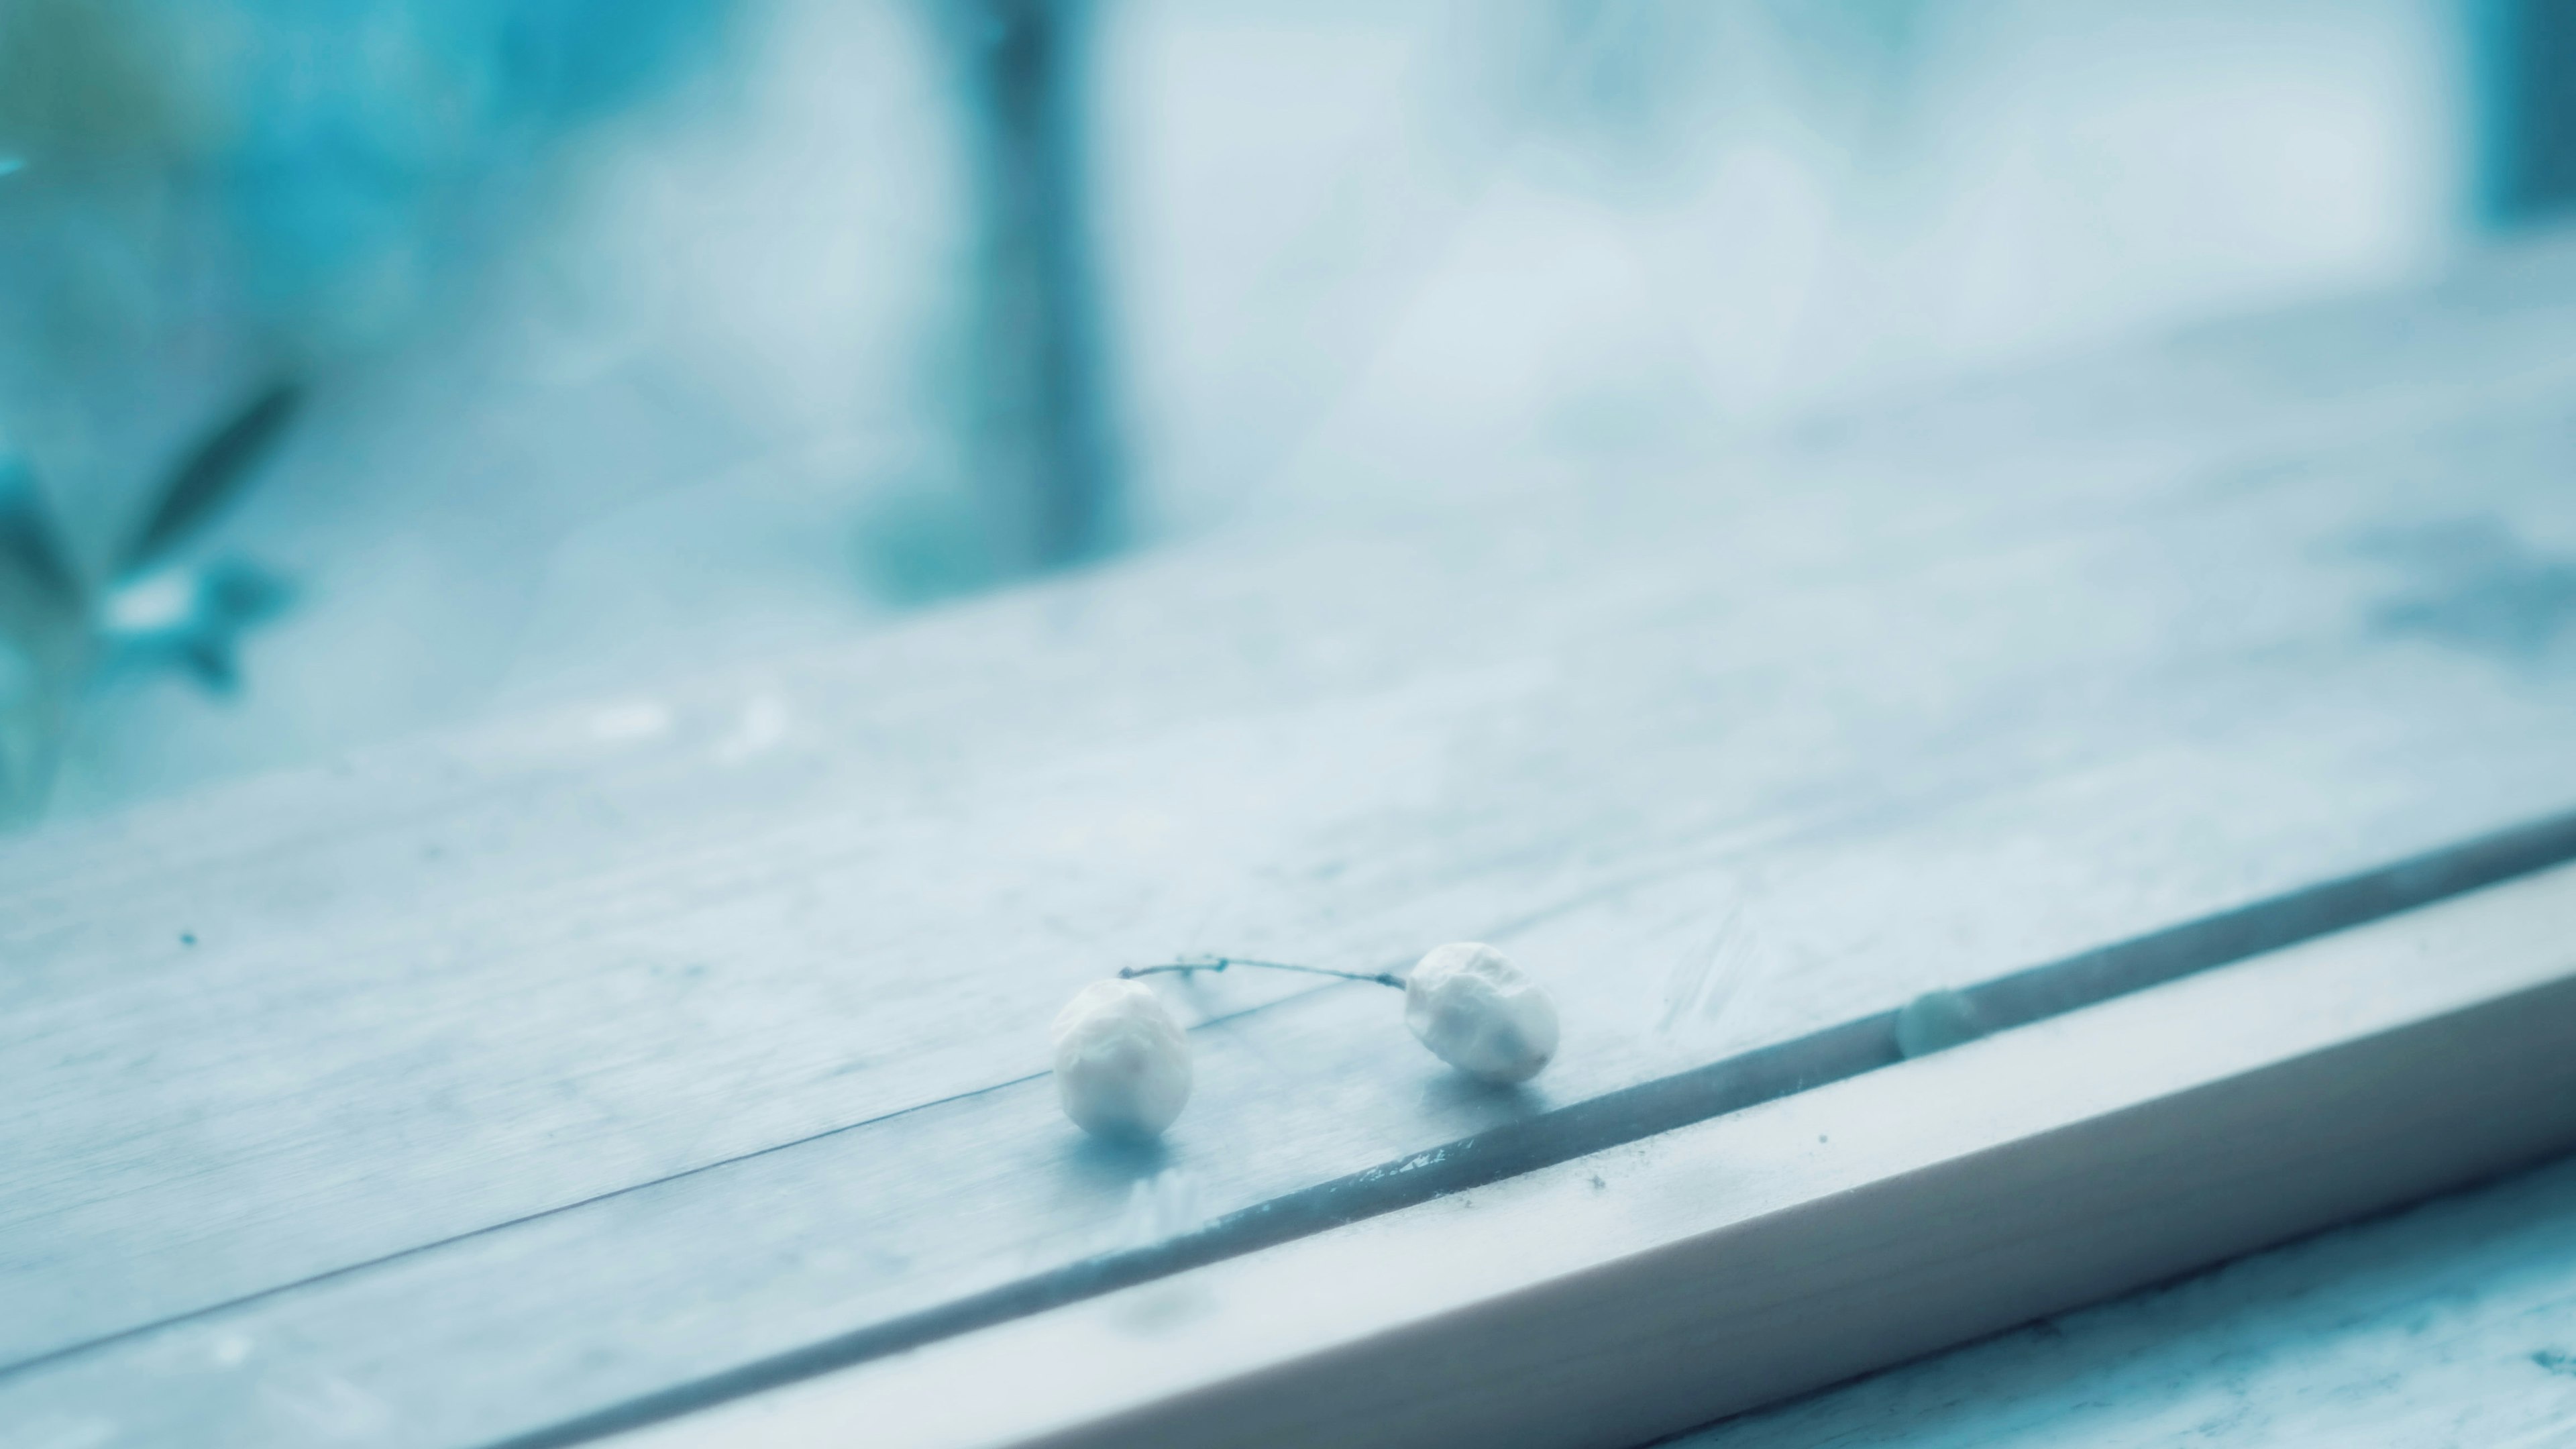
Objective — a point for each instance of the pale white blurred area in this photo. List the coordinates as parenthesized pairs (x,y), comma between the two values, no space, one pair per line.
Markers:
(1607,224)
(700,403)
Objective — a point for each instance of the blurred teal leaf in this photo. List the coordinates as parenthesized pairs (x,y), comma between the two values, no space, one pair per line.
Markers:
(31,550)
(213,475)
(192,618)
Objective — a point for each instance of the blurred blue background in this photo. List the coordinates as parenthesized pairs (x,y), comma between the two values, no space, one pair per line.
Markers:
(366,365)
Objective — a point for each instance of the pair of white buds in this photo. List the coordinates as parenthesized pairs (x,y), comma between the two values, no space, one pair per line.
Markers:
(1122,1064)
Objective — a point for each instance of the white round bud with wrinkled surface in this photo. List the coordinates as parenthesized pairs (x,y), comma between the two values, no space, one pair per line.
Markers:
(1122,1065)
(1477,1012)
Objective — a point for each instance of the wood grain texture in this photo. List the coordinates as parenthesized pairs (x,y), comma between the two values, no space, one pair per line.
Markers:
(617,1044)
(2451,1324)
(1602,1301)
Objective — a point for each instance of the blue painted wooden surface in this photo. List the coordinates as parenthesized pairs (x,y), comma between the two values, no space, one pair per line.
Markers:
(572,1056)
(2452,1324)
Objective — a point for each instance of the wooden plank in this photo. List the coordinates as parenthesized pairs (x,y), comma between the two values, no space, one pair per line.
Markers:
(807,1280)
(1617,1297)
(1927,708)
(2446,1325)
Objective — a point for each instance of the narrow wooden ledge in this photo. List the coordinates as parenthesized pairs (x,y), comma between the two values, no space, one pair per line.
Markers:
(1667,1282)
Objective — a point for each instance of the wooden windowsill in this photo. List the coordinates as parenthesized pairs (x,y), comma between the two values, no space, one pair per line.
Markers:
(1628,1293)
(566,1074)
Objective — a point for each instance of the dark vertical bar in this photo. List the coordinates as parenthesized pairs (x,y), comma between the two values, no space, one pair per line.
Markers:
(46,646)
(2525,73)
(1040,409)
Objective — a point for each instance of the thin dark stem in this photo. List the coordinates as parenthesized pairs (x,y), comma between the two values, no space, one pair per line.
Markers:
(1044,430)
(1219,963)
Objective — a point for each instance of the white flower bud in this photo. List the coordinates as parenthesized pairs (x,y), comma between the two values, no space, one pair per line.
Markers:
(1122,1065)
(1478,1013)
